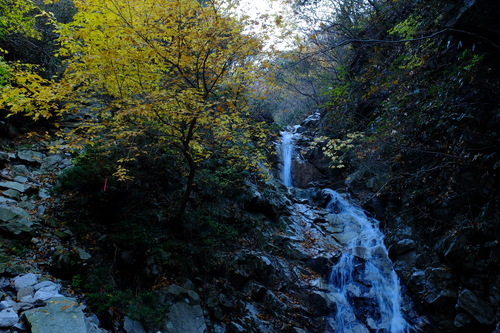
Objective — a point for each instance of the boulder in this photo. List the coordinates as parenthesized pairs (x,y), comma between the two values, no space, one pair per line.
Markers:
(15,220)
(253,265)
(479,309)
(132,326)
(30,156)
(304,173)
(19,170)
(27,280)
(401,247)
(185,313)
(11,193)
(52,161)
(183,317)
(8,318)
(60,315)
(20,187)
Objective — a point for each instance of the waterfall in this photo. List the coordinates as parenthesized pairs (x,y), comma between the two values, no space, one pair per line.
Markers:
(286,147)
(364,273)
(363,284)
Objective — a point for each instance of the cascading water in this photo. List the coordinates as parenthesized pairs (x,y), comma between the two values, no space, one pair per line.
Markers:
(364,273)
(286,156)
(363,283)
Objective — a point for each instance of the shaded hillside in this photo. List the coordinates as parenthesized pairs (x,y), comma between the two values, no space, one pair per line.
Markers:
(412,122)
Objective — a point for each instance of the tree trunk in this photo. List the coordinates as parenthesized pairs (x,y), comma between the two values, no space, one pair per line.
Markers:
(188,190)
(191,167)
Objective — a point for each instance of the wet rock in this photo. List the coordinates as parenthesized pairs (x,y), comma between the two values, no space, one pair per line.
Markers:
(479,309)
(405,263)
(401,247)
(305,173)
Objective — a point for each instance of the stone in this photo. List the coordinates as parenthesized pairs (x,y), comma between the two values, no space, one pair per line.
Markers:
(84,255)
(235,327)
(7,213)
(462,320)
(24,292)
(21,179)
(15,220)
(479,309)
(403,246)
(7,303)
(274,303)
(19,170)
(8,318)
(441,298)
(27,205)
(46,284)
(11,193)
(4,156)
(19,327)
(30,156)
(47,292)
(51,161)
(15,186)
(132,326)
(60,315)
(27,280)
(183,317)
(44,194)
(6,201)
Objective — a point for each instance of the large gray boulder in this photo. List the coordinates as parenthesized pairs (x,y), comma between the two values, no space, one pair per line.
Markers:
(184,317)
(60,315)
(185,313)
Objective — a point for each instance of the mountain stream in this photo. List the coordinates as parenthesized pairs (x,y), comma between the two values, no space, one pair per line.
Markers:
(362,284)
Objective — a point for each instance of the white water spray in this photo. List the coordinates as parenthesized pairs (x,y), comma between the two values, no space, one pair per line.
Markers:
(286,156)
(364,272)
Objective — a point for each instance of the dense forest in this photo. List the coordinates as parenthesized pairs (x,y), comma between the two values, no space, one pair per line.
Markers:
(149,131)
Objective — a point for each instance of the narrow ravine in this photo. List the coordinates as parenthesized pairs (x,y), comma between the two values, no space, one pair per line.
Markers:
(363,285)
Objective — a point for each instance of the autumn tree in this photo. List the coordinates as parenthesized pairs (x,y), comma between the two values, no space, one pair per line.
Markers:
(174,71)
(23,89)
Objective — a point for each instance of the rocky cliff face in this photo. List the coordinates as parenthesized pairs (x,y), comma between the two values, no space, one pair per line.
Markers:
(452,277)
